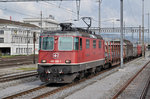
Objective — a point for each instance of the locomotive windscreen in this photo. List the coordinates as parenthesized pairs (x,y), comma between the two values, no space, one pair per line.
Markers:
(47,43)
(65,43)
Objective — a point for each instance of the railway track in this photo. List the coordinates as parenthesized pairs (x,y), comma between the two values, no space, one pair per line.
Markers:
(58,89)
(146,88)
(14,61)
(54,90)
(16,76)
(122,89)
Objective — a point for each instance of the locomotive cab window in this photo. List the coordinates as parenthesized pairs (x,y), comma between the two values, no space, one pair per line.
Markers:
(48,43)
(76,43)
(87,43)
(65,43)
(99,44)
(94,43)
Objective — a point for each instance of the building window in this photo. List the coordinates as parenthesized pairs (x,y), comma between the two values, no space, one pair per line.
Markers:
(1,40)
(40,24)
(21,50)
(94,43)
(1,31)
(87,43)
(24,50)
(17,50)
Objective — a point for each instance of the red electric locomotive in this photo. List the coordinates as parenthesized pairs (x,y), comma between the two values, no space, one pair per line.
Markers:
(72,53)
(69,54)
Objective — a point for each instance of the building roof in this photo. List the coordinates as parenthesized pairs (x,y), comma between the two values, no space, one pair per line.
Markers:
(4,21)
(39,20)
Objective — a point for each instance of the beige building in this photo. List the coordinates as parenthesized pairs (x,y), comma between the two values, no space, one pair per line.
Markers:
(16,38)
(48,23)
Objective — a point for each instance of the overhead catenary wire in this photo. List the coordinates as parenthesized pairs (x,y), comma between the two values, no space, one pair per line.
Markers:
(66,9)
(35,15)
(18,12)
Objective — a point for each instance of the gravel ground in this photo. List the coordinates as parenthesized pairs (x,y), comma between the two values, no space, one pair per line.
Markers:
(19,88)
(136,87)
(5,85)
(103,86)
(37,93)
(107,87)
(148,94)
(8,88)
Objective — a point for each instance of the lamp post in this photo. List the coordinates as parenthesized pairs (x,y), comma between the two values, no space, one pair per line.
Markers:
(143,52)
(99,15)
(148,26)
(121,27)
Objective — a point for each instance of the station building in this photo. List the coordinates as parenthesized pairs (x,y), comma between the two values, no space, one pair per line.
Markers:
(48,23)
(16,38)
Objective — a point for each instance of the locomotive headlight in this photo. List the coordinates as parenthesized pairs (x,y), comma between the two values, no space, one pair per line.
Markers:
(43,61)
(68,61)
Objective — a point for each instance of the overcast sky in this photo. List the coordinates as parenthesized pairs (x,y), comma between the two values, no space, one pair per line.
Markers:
(65,11)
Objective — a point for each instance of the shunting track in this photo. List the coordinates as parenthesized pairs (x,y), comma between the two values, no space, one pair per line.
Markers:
(17,76)
(145,89)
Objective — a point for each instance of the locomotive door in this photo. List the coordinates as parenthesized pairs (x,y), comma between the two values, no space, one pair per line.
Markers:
(80,54)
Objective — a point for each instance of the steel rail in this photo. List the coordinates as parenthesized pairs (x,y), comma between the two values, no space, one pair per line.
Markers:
(15,77)
(25,92)
(129,81)
(75,83)
(60,88)
(55,90)
(145,90)
(72,84)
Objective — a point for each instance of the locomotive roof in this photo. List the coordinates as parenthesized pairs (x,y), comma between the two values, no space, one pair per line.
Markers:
(72,33)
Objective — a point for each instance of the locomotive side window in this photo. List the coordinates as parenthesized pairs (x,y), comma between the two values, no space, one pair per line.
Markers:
(94,43)
(99,44)
(87,43)
(65,43)
(48,43)
(39,43)
(80,43)
(76,43)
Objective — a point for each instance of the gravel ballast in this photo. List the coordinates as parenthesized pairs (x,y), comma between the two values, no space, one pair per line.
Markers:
(107,87)
(103,86)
